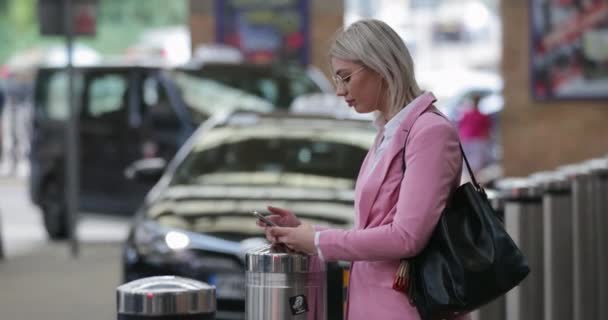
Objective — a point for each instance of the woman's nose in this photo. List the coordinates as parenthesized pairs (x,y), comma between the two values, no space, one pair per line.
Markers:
(341,91)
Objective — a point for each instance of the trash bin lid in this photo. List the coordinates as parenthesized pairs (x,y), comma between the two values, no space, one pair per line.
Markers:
(597,166)
(495,200)
(276,259)
(517,188)
(552,181)
(572,171)
(165,295)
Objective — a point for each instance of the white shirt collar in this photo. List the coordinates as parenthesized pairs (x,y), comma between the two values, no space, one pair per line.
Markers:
(393,124)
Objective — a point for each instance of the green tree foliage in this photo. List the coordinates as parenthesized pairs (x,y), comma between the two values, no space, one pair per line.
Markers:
(119,22)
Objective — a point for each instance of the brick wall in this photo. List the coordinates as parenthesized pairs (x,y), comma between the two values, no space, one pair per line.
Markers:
(542,135)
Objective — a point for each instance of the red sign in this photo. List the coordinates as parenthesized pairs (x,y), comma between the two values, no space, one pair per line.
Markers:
(52,15)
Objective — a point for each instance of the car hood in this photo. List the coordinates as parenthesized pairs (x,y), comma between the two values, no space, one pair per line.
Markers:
(226,210)
(262,192)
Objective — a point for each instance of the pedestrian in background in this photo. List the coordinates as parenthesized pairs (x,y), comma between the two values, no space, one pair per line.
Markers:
(474,130)
(16,126)
(2,99)
(403,184)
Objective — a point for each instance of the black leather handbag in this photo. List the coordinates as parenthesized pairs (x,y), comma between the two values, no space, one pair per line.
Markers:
(469,261)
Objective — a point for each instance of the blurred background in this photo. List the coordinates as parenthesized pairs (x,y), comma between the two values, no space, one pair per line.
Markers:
(173,102)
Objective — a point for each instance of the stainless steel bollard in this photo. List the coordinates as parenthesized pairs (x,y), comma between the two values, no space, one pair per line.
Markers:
(165,298)
(599,190)
(557,245)
(584,281)
(1,243)
(281,285)
(523,220)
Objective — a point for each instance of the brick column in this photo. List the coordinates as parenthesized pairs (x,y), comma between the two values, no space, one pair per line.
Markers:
(542,135)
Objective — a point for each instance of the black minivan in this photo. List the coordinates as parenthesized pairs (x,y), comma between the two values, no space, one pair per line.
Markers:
(131,113)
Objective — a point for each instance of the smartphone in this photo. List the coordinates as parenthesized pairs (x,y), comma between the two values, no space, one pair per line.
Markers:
(264,219)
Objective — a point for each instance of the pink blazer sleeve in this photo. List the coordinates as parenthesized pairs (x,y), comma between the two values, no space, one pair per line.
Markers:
(433,162)
(319,228)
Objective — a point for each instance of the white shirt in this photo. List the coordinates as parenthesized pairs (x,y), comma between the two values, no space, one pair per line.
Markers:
(388,130)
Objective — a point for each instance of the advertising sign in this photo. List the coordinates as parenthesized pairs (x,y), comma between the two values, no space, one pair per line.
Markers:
(51,17)
(265,30)
(569,49)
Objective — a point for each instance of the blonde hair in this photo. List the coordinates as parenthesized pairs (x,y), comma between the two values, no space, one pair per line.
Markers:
(377,46)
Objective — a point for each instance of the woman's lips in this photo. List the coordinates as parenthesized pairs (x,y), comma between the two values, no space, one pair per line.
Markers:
(350,102)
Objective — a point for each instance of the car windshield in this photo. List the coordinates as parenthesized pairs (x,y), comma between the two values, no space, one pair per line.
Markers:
(205,96)
(271,155)
(278,87)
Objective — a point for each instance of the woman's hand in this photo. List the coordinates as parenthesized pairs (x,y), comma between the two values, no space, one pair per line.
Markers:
(281,217)
(300,238)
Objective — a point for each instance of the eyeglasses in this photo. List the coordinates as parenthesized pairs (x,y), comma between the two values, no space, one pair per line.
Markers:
(342,81)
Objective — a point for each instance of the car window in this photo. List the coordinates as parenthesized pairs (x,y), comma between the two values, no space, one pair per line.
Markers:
(52,94)
(157,106)
(107,94)
(57,107)
(278,86)
(208,96)
(291,152)
(299,84)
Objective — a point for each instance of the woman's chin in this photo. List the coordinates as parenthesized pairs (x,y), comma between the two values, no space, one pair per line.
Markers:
(361,109)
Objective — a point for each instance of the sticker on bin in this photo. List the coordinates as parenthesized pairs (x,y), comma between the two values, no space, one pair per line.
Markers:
(228,286)
(298,304)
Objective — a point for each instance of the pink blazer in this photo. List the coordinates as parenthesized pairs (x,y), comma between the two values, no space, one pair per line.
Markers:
(396,213)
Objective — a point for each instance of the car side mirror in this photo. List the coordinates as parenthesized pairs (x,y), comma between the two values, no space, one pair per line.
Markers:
(146,170)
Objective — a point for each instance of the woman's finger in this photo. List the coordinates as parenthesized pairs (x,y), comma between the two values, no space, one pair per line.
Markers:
(274,218)
(269,237)
(260,223)
(279,231)
(285,240)
(279,211)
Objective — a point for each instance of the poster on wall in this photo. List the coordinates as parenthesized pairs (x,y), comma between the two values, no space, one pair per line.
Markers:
(569,49)
(265,30)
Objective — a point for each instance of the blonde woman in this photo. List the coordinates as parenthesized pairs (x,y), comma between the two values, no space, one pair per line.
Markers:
(395,210)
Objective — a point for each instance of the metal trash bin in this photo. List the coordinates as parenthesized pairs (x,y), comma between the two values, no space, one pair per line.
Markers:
(1,243)
(584,273)
(557,244)
(598,170)
(165,298)
(281,285)
(523,220)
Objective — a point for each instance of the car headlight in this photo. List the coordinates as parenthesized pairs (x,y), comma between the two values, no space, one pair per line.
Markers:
(171,244)
(152,238)
(176,240)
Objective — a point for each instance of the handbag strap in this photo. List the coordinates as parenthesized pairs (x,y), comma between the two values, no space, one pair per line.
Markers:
(466,161)
(464,156)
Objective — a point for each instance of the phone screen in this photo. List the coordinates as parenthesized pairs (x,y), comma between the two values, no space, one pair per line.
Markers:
(264,219)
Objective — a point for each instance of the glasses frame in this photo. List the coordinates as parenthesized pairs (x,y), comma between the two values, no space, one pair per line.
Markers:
(341,81)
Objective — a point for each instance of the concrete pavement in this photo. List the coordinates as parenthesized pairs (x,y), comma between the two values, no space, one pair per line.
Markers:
(39,279)
(49,284)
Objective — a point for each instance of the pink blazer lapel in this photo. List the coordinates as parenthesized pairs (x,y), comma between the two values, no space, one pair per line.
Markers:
(361,178)
(369,187)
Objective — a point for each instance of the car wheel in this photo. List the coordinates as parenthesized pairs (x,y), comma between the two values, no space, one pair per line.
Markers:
(54,211)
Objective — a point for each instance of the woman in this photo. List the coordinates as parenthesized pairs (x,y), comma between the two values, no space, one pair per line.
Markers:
(474,131)
(396,211)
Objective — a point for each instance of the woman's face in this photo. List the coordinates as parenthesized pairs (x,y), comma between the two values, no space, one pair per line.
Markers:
(362,88)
